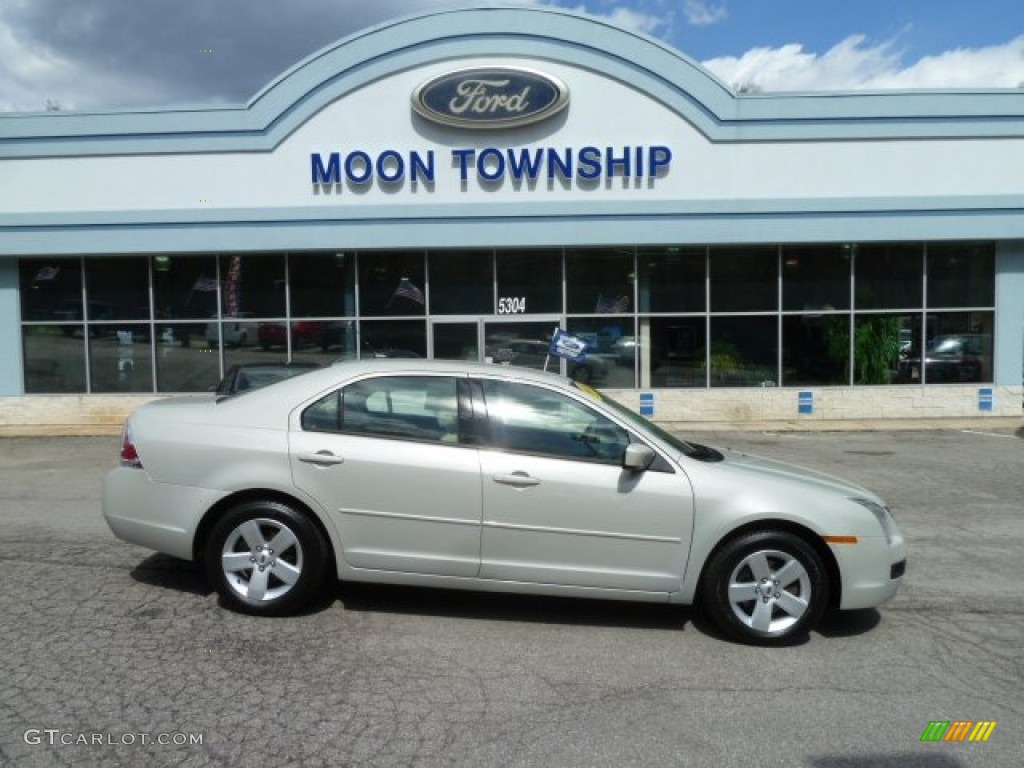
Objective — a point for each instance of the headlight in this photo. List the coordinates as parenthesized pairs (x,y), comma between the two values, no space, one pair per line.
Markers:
(881,513)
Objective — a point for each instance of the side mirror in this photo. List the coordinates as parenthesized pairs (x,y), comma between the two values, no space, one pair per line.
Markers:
(638,457)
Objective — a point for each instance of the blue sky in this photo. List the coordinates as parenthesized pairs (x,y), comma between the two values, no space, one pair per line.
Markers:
(921,27)
(110,54)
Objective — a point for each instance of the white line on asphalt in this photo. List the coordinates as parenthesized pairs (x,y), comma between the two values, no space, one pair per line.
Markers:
(986,434)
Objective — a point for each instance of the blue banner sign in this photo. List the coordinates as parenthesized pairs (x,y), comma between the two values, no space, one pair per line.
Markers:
(569,347)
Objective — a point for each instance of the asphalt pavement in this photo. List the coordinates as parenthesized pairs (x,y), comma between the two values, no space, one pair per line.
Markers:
(114,656)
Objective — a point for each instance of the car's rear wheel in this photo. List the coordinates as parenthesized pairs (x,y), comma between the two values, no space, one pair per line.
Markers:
(765,587)
(265,557)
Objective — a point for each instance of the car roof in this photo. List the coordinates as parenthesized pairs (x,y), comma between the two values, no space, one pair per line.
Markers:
(324,379)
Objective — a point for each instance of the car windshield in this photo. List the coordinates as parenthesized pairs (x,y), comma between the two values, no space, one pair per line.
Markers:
(640,422)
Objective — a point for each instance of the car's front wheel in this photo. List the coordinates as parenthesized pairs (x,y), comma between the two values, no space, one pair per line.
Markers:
(765,587)
(265,557)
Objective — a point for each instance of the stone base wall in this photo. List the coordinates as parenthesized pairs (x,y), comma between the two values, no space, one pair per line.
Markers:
(768,408)
(835,405)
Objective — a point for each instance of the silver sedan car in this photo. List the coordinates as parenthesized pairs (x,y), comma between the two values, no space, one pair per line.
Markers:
(486,477)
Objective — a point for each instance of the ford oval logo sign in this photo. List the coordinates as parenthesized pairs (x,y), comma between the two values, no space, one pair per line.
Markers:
(490,97)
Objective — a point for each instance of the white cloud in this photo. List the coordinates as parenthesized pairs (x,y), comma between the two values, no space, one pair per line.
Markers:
(703,13)
(855,65)
(627,18)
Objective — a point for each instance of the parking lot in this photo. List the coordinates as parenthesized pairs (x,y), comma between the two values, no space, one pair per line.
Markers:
(114,656)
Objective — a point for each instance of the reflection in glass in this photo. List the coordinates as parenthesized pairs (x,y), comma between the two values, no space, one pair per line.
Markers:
(531,281)
(252,285)
(611,352)
(958,349)
(672,279)
(744,351)
(462,282)
(961,275)
(456,341)
(392,284)
(675,355)
(888,275)
(51,290)
(883,347)
(322,284)
(184,287)
(234,332)
(599,281)
(393,338)
(816,277)
(815,349)
(54,358)
(744,279)
(121,361)
(118,288)
(520,343)
(184,363)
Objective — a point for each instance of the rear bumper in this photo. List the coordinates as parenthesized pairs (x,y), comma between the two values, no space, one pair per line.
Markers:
(154,515)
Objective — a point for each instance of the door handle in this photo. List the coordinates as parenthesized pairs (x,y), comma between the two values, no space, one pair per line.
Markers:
(517,479)
(321,458)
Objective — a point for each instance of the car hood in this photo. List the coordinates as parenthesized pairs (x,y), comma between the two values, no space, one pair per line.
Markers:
(780,471)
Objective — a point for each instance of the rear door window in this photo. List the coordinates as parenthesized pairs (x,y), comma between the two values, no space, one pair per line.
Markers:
(422,408)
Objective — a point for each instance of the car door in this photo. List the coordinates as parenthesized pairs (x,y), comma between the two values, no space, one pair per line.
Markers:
(384,456)
(558,508)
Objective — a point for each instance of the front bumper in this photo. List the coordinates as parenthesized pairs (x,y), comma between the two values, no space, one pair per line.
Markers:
(872,571)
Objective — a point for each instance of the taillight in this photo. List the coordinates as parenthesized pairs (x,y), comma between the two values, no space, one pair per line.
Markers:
(129,456)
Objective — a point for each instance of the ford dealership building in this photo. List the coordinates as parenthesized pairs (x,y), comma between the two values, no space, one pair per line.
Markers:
(457,185)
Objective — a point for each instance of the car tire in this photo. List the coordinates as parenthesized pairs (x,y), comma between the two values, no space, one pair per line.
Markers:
(265,558)
(765,588)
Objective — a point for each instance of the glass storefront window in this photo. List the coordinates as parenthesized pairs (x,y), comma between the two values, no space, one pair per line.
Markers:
(456,341)
(815,277)
(958,347)
(392,284)
(184,362)
(744,351)
(599,281)
(530,282)
(51,290)
(744,279)
(611,350)
(54,358)
(393,338)
(673,350)
(815,350)
(883,347)
(252,285)
(118,288)
(888,275)
(120,359)
(647,313)
(322,284)
(523,343)
(184,287)
(672,279)
(461,282)
(961,275)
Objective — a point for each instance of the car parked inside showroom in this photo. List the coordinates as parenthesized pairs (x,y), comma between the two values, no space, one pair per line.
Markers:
(489,477)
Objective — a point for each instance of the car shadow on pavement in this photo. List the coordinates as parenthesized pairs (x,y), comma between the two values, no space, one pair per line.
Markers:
(849,623)
(490,606)
(171,573)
